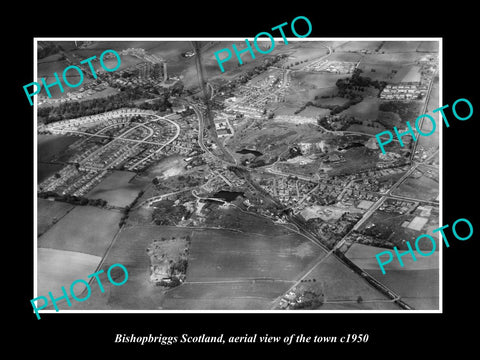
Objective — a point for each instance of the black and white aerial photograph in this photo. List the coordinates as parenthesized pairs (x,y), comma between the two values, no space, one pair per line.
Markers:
(260,187)
(220,178)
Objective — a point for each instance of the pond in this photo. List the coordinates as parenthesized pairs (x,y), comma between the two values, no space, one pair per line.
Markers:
(228,195)
(247,151)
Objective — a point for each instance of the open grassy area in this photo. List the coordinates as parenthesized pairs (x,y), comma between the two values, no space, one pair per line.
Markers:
(85,229)
(408,74)
(46,170)
(400,46)
(138,293)
(51,148)
(367,109)
(118,189)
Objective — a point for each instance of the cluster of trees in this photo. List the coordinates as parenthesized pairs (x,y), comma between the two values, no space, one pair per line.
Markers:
(345,122)
(296,63)
(126,98)
(72,199)
(406,111)
(180,267)
(166,213)
(74,109)
(260,69)
(334,109)
(126,210)
(160,104)
(358,82)
(379,46)
(312,301)
(173,282)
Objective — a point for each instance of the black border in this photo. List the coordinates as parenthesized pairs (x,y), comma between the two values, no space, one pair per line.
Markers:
(394,332)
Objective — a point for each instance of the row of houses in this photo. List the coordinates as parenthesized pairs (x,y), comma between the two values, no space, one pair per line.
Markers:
(404,91)
(106,117)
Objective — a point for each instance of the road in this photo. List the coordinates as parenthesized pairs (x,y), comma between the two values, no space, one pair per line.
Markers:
(162,146)
(332,252)
(137,142)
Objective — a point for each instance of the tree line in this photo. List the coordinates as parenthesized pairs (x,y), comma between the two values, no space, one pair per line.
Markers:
(72,199)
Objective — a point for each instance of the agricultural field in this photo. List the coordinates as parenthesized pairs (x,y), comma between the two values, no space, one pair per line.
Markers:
(138,293)
(49,212)
(57,268)
(85,229)
(305,86)
(48,65)
(367,109)
(358,46)
(314,112)
(50,146)
(419,186)
(392,67)
(241,256)
(331,101)
(407,74)
(45,170)
(250,295)
(234,219)
(118,189)
(130,250)
(418,288)
(342,287)
(400,46)
(387,227)
(226,255)
(379,71)
(302,52)
(428,46)
(354,305)
(373,130)
(232,68)
(345,56)
(364,257)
